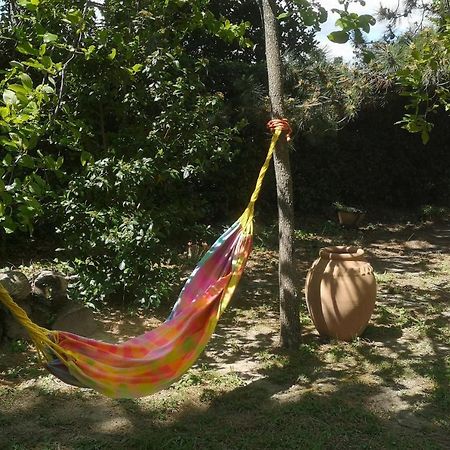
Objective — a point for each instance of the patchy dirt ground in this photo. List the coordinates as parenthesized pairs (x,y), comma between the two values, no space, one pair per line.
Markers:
(387,389)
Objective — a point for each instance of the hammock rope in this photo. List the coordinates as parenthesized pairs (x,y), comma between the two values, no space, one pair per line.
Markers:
(150,362)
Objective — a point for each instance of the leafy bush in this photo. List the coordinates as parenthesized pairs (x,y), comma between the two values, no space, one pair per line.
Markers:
(107,119)
(433,212)
(110,235)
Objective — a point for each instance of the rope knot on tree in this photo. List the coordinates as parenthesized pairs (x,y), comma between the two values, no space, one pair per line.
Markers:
(282,124)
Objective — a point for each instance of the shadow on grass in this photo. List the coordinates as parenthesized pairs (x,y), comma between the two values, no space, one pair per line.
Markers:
(300,400)
(387,390)
(291,407)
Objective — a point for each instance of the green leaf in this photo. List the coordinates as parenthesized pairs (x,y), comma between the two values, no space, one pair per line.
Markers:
(27,49)
(7,198)
(19,89)
(31,5)
(26,80)
(27,161)
(85,157)
(47,62)
(49,37)
(339,37)
(47,89)
(323,15)
(367,18)
(88,52)
(309,17)
(32,141)
(112,55)
(59,162)
(135,69)
(9,226)
(10,97)
(358,37)
(33,63)
(283,16)
(365,27)
(74,16)
(4,112)
(11,145)
(16,64)
(425,135)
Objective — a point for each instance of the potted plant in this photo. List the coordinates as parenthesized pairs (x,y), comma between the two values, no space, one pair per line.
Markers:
(349,216)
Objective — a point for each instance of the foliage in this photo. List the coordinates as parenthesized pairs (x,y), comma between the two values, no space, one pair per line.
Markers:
(310,13)
(418,62)
(352,26)
(422,75)
(433,212)
(418,67)
(323,95)
(424,79)
(372,162)
(25,116)
(133,126)
(338,206)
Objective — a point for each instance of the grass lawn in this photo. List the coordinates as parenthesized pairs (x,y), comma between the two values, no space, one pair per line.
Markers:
(387,389)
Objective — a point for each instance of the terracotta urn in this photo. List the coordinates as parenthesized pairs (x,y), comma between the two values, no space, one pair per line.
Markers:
(340,292)
(350,219)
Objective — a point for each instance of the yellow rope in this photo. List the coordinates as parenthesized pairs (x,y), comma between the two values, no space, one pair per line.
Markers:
(246,219)
(41,337)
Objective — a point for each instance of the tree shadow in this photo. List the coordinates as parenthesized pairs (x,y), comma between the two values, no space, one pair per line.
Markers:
(297,404)
(387,389)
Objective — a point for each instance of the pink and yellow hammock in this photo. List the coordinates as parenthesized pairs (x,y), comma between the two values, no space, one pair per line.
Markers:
(148,363)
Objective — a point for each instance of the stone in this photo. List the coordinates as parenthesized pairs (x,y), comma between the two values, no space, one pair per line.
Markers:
(12,329)
(76,319)
(42,313)
(51,285)
(16,283)
(15,331)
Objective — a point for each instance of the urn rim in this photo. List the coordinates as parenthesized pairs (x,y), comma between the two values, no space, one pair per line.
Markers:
(342,253)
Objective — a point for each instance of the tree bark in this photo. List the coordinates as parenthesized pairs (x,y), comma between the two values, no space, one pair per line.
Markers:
(289,306)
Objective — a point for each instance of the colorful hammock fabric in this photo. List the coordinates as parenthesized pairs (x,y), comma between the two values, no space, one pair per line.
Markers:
(152,361)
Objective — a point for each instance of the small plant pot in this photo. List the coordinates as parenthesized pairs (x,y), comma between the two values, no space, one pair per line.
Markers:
(340,292)
(350,219)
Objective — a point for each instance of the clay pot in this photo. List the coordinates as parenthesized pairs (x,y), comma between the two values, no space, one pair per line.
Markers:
(350,219)
(340,292)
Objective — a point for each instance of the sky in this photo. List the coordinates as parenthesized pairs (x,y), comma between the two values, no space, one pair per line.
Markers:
(371,7)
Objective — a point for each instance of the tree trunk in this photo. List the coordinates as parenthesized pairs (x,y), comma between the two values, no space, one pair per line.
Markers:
(289,307)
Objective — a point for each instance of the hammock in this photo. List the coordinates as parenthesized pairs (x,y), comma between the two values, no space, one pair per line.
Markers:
(148,363)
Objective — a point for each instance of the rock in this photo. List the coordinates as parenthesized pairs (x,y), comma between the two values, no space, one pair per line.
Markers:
(51,285)
(12,329)
(16,283)
(76,319)
(42,313)
(48,300)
